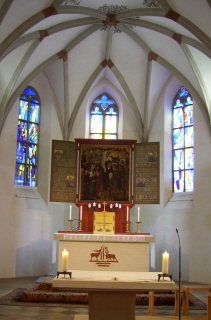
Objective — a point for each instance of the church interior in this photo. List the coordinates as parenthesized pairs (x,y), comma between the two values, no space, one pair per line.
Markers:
(82,58)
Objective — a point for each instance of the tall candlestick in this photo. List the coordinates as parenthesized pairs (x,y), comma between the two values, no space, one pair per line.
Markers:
(70,213)
(65,260)
(165,262)
(81,212)
(138,214)
(127,214)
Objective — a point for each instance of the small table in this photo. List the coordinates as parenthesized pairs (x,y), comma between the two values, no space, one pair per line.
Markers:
(185,298)
(112,295)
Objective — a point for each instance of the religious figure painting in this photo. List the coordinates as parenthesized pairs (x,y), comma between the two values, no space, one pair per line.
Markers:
(105,172)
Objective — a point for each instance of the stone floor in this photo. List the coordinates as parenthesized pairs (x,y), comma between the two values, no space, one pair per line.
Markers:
(78,313)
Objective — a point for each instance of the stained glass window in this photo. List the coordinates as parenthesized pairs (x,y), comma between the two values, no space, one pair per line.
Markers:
(183,142)
(104,118)
(27,138)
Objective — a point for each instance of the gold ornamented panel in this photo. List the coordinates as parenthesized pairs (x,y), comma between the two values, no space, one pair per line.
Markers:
(104,222)
(147,173)
(63,171)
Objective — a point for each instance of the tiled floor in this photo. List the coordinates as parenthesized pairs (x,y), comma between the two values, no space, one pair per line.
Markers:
(80,313)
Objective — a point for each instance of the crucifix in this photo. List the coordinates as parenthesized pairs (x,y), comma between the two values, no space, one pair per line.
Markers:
(104,203)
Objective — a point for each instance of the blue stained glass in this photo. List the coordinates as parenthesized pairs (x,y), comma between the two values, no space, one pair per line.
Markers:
(189,158)
(96,123)
(34,113)
(111,111)
(21,152)
(189,176)
(188,115)
(179,159)
(103,118)
(27,138)
(179,181)
(178,118)
(30,91)
(110,124)
(32,154)
(189,137)
(19,174)
(104,101)
(33,133)
(23,110)
(178,104)
(22,130)
(188,101)
(96,111)
(31,173)
(178,138)
(183,92)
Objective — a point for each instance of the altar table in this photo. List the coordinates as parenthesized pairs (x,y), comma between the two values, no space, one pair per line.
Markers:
(106,252)
(112,295)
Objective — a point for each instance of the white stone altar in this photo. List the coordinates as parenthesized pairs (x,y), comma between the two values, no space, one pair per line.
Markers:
(105,252)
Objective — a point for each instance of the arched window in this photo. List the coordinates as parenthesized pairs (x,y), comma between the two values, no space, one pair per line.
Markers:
(183,142)
(27,138)
(104,118)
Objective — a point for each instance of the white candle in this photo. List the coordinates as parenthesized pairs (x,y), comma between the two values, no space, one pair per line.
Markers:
(120,206)
(116,205)
(165,262)
(99,205)
(138,214)
(81,212)
(94,204)
(127,214)
(111,206)
(89,205)
(65,260)
(70,212)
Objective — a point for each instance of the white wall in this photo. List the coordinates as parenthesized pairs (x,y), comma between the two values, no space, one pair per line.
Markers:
(29,220)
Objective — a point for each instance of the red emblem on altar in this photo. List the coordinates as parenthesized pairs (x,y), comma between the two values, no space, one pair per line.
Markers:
(102,257)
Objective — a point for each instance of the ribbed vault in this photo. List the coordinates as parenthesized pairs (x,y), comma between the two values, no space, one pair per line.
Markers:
(147,32)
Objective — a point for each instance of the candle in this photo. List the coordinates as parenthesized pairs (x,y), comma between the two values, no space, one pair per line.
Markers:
(89,205)
(116,205)
(120,206)
(70,212)
(80,212)
(138,214)
(127,214)
(99,205)
(94,204)
(111,206)
(165,262)
(64,260)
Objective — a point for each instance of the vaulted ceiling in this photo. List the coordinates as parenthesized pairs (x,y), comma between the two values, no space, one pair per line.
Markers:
(136,45)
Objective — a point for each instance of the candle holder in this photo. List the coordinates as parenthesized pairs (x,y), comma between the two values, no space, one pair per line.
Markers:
(80,225)
(164,275)
(127,226)
(64,273)
(70,225)
(138,227)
